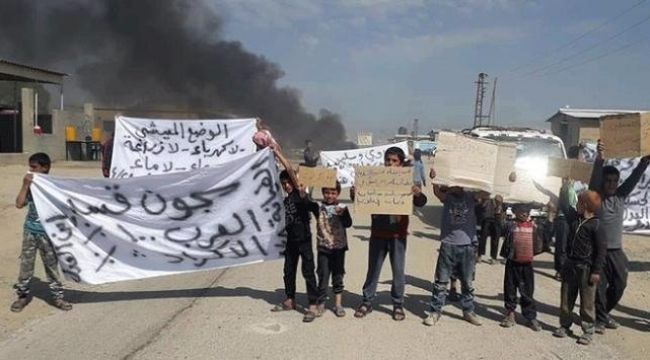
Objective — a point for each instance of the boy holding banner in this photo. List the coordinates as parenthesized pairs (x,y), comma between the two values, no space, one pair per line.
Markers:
(35,239)
(298,207)
(388,237)
(613,279)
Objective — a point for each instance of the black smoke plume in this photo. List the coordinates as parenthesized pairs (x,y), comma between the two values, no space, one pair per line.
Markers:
(146,54)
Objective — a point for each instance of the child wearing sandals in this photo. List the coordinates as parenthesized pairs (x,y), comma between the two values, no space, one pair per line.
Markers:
(333,219)
(298,207)
(388,237)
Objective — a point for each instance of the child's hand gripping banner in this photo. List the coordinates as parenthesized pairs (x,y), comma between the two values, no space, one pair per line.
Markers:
(108,230)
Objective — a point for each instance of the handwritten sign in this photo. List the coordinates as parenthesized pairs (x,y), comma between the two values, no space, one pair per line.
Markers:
(473,163)
(344,161)
(571,168)
(106,230)
(317,177)
(383,190)
(626,135)
(155,146)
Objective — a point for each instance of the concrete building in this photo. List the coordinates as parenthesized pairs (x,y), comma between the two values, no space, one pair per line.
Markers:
(18,138)
(19,120)
(576,125)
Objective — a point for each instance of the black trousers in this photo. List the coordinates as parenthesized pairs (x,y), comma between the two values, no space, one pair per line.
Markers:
(292,252)
(613,281)
(561,233)
(520,277)
(491,228)
(330,264)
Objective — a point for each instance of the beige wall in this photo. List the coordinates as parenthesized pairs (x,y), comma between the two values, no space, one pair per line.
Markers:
(51,144)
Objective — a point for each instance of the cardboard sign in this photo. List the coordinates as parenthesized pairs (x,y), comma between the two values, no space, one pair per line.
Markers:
(626,135)
(383,190)
(317,177)
(570,168)
(473,163)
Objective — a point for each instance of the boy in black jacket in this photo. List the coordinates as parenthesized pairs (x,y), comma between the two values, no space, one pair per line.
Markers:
(297,206)
(586,251)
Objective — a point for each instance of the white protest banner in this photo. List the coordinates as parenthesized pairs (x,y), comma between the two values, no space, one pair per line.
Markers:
(157,146)
(345,160)
(473,163)
(637,206)
(106,230)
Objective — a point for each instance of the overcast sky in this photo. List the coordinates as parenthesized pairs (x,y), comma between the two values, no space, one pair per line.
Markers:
(382,63)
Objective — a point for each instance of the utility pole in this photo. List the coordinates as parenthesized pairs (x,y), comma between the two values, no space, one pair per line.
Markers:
(491,117)
(480,94)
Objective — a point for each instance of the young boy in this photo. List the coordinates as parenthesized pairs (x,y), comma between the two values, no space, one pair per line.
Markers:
(586,252)
(297,207)
(457,253)
(333,219)
(604,180)
(518,249)
(35,238)
(388,236)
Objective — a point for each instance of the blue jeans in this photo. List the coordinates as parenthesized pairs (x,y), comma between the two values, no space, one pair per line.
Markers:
(459,260)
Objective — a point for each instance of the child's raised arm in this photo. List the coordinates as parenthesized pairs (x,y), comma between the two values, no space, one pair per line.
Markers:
(21,199)
(287,166)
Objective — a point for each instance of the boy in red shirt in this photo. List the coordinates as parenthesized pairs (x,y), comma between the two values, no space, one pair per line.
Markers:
(518,249)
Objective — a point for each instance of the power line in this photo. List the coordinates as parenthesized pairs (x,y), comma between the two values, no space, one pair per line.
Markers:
(561,61)
(608,53)
(583,35)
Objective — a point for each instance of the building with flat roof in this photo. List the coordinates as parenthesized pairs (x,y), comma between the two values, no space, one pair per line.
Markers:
(581,125)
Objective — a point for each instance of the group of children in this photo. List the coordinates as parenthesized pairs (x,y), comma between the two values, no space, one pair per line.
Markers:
(595,267)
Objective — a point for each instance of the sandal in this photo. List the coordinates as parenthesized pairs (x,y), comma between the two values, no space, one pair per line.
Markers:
(309,316)
(398,313)
(339,311)
(284,306)
(362,311)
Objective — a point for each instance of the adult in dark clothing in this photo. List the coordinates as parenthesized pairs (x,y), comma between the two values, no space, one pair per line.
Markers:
(614,275)
(310,156)
(560,224)
(491,226)
(107,155)
(586,251)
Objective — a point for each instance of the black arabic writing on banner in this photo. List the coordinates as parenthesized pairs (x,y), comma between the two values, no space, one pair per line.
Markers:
(156,144)
(236,235)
